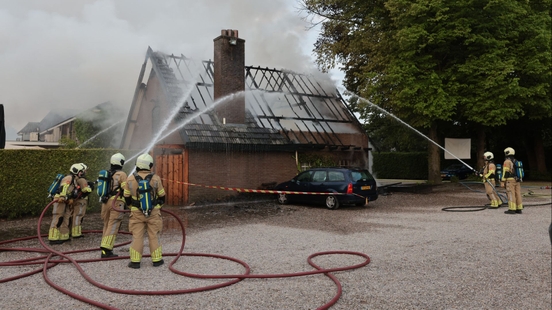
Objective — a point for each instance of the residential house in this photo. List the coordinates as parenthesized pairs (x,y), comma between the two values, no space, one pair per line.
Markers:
(60,123)
(228,125)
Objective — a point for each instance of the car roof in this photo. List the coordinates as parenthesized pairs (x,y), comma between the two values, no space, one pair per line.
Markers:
(337,168)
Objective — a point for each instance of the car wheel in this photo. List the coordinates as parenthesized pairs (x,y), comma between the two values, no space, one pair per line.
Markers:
(331,202)
(282,199)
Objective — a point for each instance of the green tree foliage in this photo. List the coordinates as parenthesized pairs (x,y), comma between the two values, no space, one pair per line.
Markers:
(475,63)
(90,135)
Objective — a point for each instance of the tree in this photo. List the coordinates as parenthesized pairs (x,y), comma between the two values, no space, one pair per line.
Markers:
(435,62)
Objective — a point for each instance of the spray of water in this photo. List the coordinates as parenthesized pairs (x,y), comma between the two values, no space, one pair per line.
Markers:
(348,93)
(162,135)
(99,133)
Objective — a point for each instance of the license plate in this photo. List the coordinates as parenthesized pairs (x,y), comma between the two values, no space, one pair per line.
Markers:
(365,188)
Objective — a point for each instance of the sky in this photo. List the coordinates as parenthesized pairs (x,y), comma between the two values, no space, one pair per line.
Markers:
(67,54)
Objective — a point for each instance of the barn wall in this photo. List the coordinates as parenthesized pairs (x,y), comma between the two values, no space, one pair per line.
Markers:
(236,169)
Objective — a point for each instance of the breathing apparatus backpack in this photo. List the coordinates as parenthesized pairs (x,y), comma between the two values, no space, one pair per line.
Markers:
(54,187)
(145,193)
(104,185)
(518,170)
(498,172)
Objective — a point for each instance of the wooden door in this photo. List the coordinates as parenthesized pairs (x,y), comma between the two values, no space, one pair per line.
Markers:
(173,170)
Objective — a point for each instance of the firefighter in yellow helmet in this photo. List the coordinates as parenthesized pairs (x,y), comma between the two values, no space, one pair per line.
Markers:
(145,195)
(488,175)
(70,205)
(511,183)
(113,205)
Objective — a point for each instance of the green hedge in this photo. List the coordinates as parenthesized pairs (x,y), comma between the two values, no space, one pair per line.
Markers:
(27,174)
(398,165)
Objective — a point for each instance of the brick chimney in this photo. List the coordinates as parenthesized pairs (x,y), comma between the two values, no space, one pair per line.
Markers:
(229,76)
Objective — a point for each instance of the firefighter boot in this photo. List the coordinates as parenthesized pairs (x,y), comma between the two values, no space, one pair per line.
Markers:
(511,208)
(159,263)
(108,253)
(134,265)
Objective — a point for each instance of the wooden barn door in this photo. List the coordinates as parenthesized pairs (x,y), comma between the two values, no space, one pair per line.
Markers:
(173,170)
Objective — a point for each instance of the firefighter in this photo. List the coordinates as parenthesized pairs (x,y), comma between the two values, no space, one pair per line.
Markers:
(488,175)
(143,217)
(70,205)
(511,183)
(80,203)
(111,204)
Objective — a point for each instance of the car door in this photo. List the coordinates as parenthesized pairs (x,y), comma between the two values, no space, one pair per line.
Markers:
(318,184)
(301,183)
(364,184)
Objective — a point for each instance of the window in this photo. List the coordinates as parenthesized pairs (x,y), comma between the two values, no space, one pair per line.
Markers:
(305,177)
(336,176)
(319,176)
(361,175)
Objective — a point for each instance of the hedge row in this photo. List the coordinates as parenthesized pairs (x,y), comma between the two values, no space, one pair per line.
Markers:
(27,174)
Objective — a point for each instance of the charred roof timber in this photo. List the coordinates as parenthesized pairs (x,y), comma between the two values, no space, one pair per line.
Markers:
(278,108)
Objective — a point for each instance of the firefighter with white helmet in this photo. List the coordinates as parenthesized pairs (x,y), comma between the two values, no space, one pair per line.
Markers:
(70,206)
(145,195)
(113,204)
(511,183)
(488,175)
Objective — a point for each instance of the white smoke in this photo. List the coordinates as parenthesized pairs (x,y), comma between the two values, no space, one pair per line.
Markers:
(78,54)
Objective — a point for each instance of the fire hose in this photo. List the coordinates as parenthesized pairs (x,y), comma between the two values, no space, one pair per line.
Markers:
(47,261)
(486,206)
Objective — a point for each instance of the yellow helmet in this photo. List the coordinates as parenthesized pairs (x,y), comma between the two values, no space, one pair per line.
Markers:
(509,151)
(488,156)
(117,159)
(144,162)
(77,168)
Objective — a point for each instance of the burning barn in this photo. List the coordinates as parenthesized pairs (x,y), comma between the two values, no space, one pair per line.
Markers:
(237,126)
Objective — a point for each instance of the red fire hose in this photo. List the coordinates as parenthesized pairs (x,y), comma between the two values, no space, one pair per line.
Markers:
(46,261)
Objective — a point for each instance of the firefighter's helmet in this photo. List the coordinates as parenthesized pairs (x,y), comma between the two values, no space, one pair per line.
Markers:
(76,169)
(488,155)
(144,162)
(118,159)
(509,151)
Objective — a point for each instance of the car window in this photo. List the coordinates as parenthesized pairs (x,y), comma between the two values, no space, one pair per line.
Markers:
(336,176)
(305,176)
(361,175)
(319,176)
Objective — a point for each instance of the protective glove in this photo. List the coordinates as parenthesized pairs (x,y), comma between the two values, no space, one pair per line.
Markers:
(61,199)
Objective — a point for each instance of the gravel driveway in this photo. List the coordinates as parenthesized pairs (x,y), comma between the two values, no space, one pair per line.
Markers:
(421,257)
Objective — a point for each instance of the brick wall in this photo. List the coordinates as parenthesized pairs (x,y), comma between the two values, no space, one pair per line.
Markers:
(229,76)
(236,169)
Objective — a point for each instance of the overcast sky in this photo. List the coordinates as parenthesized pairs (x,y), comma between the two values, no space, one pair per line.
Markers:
(77,54)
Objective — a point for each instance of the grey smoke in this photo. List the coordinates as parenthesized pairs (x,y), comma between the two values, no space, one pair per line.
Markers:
(77,54)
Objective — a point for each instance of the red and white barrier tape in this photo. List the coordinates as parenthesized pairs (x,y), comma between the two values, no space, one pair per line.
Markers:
(262,191)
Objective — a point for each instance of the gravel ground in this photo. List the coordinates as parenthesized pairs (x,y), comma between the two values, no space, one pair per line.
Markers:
(421,257)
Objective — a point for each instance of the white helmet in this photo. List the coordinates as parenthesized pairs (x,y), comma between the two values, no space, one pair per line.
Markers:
(77,168)
(509,151)
(144,161)
(488,156)
(117,159)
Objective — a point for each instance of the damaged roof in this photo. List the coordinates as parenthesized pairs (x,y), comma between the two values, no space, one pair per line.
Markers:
(51,119)
(282,107)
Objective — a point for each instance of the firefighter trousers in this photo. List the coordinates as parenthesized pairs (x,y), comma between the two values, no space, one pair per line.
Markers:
(79,210)
(111,221)
(139,225)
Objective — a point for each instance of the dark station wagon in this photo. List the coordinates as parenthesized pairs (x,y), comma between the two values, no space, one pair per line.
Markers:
(350,186)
